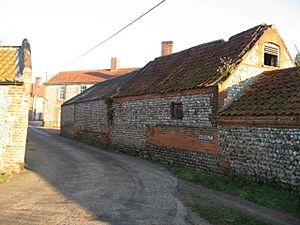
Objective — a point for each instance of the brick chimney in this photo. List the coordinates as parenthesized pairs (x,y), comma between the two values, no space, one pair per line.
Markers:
(166,47)
(38,81)
(115,63)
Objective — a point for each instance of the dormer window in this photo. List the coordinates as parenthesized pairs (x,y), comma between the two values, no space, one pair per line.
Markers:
(271,55)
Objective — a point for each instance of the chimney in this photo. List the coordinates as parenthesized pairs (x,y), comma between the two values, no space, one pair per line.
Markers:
(114,63)
(38,81)
(166,47)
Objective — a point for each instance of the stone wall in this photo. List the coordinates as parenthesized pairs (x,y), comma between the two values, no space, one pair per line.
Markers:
(67,120)
(146,127)
(262,154)
(87,121)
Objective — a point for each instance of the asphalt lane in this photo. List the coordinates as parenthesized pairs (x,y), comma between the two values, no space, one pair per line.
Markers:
(73,183)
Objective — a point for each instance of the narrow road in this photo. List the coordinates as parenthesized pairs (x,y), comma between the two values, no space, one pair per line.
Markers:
(73,183)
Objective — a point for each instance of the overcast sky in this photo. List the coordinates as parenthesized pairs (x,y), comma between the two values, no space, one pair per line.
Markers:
(61,30)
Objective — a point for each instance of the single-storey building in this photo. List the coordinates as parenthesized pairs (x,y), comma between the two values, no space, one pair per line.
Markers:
(168,110)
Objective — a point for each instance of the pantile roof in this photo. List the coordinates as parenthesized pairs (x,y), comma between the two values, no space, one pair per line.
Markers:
(272,93)
(192,68)
(86,76)
(103,89)
(9,64)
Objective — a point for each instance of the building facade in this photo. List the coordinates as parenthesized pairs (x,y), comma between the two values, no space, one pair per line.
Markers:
(15,79)
(169,109)
(37,96)
(66,85)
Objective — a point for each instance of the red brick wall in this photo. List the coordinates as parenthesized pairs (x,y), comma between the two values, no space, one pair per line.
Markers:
(186,138)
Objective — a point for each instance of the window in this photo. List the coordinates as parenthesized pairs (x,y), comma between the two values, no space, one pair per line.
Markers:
(62,93)
(271,55)
(82,89)
(177,110)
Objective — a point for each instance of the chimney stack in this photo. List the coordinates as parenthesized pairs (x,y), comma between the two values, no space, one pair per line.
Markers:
(166,47)
(114,63)
(38,81)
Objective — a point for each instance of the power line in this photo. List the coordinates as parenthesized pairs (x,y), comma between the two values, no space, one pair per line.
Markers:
(113,35)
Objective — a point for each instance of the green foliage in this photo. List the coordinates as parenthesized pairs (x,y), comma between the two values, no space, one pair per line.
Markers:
(297,60)
(4,177)
(262,194)
(216,214)
(226,67)
(108,101)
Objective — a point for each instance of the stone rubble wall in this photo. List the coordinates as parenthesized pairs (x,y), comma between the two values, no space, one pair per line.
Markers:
(262,154)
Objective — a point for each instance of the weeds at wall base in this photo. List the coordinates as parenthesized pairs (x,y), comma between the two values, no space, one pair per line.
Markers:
(4,177)
(266,195)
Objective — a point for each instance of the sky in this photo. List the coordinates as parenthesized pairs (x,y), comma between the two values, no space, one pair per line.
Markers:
(61,30)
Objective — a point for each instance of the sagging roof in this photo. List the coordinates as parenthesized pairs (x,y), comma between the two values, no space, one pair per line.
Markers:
(192,68)
(13,59)
(86,76)
(272,93)
(103,89)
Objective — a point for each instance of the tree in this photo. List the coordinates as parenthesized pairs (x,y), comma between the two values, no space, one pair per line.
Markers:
(297,59)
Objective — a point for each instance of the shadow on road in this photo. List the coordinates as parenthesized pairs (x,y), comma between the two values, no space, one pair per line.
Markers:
(115,188)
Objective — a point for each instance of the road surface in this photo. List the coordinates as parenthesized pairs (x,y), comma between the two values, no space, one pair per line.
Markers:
(69,182)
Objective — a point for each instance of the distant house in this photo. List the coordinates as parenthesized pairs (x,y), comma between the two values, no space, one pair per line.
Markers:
(169,109)
(66,85)
(15,79)
(37,96)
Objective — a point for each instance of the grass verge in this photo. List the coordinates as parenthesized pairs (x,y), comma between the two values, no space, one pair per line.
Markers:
(262,194)
(4,177)
(216,214)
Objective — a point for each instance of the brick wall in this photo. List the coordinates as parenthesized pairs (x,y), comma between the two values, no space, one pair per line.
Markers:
(14,106)
(262,154)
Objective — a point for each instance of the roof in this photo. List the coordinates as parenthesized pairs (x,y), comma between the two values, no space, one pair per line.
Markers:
(103,89)
(13,60)
(192,68)
(272,93)
(9,64)
(86,76)
(38,91)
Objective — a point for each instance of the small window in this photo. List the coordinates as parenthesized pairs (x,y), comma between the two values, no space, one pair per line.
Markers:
(82,89)
(62,93)
(271,55)
(177,110)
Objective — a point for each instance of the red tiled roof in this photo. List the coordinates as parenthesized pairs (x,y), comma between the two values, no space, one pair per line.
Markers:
(87,76)
(273,93)
(103,89)
(191,68)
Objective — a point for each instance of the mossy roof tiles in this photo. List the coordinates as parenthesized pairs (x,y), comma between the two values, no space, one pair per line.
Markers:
(192,68)
(272,93)
(102,90)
